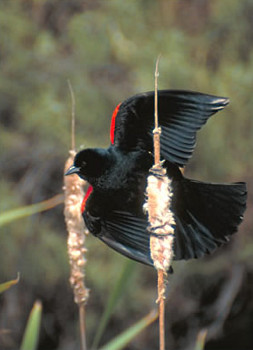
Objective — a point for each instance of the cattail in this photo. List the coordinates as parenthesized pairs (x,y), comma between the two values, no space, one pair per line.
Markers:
(158,202)
(160,217)
(73,188)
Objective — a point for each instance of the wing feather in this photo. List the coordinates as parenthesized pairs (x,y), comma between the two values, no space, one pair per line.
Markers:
(181,115)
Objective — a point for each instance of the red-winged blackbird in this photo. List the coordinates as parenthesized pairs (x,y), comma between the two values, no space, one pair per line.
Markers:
(206,214)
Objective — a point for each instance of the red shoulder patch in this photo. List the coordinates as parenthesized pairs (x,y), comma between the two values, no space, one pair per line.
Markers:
(87,194)
(114,115)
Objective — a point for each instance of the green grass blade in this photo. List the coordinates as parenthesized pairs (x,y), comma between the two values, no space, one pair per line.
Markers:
(115,295)
(127,336)
(31,335)
(11,215)
(7,285)
(200,343)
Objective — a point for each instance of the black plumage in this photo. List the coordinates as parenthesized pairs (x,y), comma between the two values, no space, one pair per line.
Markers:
(206,214)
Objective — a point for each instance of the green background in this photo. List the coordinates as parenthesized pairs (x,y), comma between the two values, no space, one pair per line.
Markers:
(108,49)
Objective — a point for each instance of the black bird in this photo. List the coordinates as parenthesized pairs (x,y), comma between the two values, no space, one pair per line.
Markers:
(206,214)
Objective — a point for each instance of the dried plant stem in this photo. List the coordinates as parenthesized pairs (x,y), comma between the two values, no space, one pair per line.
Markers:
(160,273)
(73,189)
(82,327)
(157,130)
(72,115)
(160,217)
(160,290)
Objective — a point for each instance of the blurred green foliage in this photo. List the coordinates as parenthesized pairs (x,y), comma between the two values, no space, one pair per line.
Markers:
(6,285)
(31,336)
(107,49)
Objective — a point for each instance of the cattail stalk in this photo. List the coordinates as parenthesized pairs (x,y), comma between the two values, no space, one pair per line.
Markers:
(161,220)
(74,193)
(73,188)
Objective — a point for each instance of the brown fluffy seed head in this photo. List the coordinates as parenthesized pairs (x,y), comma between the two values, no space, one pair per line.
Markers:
(73,190)
(160,216)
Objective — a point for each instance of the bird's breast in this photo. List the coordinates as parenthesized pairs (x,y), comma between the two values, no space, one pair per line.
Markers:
(122,187)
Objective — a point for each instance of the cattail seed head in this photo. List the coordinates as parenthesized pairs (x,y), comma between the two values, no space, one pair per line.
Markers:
(160,217)
(73,189)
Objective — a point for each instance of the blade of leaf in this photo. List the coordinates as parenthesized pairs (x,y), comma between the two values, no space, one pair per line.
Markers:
(6,285)
(200,343)
(115,295)
(31,335)
(127,336)
(11,215)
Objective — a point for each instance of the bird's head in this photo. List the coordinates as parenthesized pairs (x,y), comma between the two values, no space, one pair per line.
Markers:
(89,164)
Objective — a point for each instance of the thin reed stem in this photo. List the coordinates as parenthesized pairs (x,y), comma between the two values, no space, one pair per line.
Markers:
(83,345)
(157,130)
(73,107)
(160,288)
(73,188)
(160,273)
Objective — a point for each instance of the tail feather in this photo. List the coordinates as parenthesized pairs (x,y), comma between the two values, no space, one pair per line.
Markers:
(206,216)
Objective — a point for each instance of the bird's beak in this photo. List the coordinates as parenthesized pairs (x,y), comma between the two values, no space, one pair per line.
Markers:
(72,170)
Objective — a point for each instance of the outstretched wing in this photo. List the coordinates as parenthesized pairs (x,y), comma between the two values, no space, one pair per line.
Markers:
(181,114)
(206,215)
(124,232)
(128,235)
